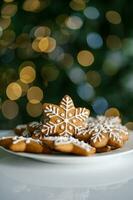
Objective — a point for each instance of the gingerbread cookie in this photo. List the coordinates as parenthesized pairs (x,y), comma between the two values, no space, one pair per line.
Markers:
(36,134)
(64,119)
(69,144)
(104,149)
(32,129)
(99,137)
(115,137)
(20,129)
(22,144)
(85,133)
(6,141)
(33,126)
(109,120)
(103,131)
(95,134)
(117,133)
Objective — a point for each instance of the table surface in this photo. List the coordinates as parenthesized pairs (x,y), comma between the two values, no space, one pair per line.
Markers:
(27,179)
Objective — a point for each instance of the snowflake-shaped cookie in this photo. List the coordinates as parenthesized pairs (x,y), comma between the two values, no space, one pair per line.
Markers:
(104,130)
(64,119)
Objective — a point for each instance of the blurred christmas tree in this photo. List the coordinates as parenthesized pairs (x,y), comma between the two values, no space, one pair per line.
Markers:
(78,47)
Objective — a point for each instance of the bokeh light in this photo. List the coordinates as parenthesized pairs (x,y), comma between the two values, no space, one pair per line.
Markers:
(23,86)
(74,22)
(99,105)
(113,42)
(94,40)
(128,47)
(42,31)
(77,75)
(13,91)
(66,60)
(4,23)
(7,38)
(44,44)
(112,112)
(31,6)
(127,82)
(27,74)
(77,5)
(8,10)
(91,12)
(34,95)
(85,58)
(94,78)
(57,54)
(35,45)
(34,110)
(85,91)
(113,17)
(51,45)
(10,109)
(113,62)
(76,47)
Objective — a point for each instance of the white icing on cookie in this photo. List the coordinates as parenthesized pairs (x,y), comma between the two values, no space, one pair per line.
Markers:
(100,126)
(8,137)
(17,139)
(59,140)
(34,124)
(67,121)
(21,126)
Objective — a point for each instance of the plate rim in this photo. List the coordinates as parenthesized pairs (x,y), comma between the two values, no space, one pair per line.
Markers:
(60,157)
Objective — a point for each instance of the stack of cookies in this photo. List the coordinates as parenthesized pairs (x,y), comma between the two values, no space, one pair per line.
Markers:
(66,129)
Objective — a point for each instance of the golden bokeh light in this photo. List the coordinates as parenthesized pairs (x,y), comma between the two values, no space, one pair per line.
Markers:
(13,91)
(10,109)
(93,78)
(27,74)
(77,5)
(34,110)
(34,95)
(42,31)
(23,86)
(35,44)
(85,58)
(43,44)
(113,17)
(74,22)
(25,64)
(4,23)
(51,45)
(31,6)
(129,125)
(9,10)
(113,42)
(112,112)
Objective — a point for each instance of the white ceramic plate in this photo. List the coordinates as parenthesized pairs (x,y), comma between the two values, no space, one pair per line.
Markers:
(114,155)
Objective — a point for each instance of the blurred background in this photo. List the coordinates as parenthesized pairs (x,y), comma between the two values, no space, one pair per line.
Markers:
(82,48)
